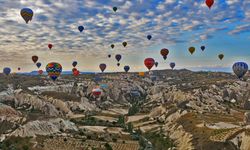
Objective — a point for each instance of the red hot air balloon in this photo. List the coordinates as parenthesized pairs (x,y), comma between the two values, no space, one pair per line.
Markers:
(34,59)
(102,67)
(96,92)
(149,63)
(164,53)
(209,3)
(40,72)
(50,46)
(74,69)
(18,68)
(76,72)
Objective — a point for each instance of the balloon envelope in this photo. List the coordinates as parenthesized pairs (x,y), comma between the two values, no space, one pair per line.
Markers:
(114,9)
(126,68)
(80,28)
(209,3)
(221,56)
(27,14)
(172,65)
(18,68)
(191,50)
(240,69)
(149,37)
(102,67)
(109,56)
(203,48)
(149,63)
(124,44)
(76,73)
(50,46)
(54,70)
(164,53)
(38,65)
(74,63)
(96,92)
(6,70)
(112,46)
(118,57)
(156,64)
(40,72)
(34,58)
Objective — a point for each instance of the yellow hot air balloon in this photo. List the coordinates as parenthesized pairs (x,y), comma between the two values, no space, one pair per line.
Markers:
(191,50)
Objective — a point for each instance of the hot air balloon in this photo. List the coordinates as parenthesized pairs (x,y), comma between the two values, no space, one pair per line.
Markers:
(54,70)
(40,72)
(191,50)
(80,28)
(118,57)
(149,37)
(6,70)
(209,3)
(102,67)
(38,65)
(203,48)
(172,65)
(109,56)
(112,46)
(149,63)
(221,56)
(18,68)
(74,63)
(27,14)
(114,9)
(141,74)
(96,92)
(124,44)
(118,64)
(76,72)
(164,53)
(240,69)
(34,59)
(74,69)
(126,68)
(156,64)
(50,46)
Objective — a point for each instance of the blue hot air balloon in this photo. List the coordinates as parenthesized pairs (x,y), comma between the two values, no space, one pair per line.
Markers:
(6,70)
(27,14)
(172,65)
(80,28)
(149,37)
(38,65)
(74,63)
(203,48)
(240,69)
(126,68)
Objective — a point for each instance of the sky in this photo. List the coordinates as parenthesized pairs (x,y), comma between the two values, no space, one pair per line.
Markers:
(173,24)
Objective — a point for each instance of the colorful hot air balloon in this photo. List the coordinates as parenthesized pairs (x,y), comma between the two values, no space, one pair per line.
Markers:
(124,44)
(126,68)
(40,72)
(74,63)
(102,67)
(38,65)
(191,50)
(80,28)
(114,9)
(164,53)
(96,92)
(149,37)
(203,48)
(172,65)
(221,56)
(156,64)
(240,69)
(209,3)
(34,59)
(27,14)
(112,46)
(50,46)
(149,63)
(109,56)
(54,70)
(76,73)
(6,70)
(118,57)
